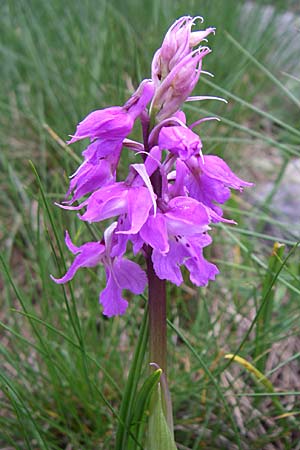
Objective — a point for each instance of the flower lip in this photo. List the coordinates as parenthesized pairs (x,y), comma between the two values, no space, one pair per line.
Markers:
(186,216)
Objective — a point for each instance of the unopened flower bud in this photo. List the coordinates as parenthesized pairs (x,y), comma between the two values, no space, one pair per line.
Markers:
(178,85)
(178,43)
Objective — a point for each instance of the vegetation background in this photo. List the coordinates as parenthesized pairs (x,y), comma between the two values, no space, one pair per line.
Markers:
(64,365)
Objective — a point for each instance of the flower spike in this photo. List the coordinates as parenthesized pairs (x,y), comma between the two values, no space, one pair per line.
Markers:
(172,195)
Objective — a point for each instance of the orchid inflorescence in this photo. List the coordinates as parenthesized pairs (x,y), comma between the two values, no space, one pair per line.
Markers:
(169,200)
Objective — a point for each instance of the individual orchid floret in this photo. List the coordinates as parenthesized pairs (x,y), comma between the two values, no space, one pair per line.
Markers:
(187,251)
(216,168)
(177,44)
(175,120)
(208,180)
(97,170)
(115,122)
(180,141)
(116,199)
(120,273)
(88,178)
(182,216)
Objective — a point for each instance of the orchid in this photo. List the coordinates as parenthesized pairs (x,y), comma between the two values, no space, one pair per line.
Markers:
(168,203)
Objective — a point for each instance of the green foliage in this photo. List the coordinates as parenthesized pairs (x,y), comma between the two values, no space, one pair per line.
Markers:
(159,435)
(65,366)
(129,406)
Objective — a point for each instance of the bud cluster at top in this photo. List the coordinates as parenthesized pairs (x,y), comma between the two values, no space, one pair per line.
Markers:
(172,194)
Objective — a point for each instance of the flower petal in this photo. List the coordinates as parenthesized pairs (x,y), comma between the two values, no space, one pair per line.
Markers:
(141,170)
(107,202)
(111,298)
(215,167)
(140,99)
(181,141)
(73,248)
(129,275)
(201,271)
(139,203)
(154,232)
(89,178)
(186,216)
(89,256)
(101,148)
(109,123)
(166,265)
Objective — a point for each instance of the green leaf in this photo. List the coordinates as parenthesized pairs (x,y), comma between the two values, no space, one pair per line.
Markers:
(263,321)
(159,434)
(129,396)
(141,408)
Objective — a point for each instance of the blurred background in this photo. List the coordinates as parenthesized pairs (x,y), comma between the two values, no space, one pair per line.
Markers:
(64,364)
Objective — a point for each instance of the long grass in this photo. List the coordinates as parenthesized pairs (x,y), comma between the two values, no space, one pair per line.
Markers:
(64,365)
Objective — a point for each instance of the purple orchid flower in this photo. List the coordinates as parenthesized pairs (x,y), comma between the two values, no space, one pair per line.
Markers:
(185,251)
(88,178)
(113,123)
(209,181)
(180,141)
(179,232)
(116,199)
(116,122)
(171,196)
(135,202)
(120,273)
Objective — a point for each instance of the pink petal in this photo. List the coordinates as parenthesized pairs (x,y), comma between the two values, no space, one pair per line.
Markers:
(129,275)
(111,298)
(154,232)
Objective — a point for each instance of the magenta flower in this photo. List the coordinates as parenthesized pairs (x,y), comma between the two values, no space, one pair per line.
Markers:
(187,252)
(171,196)
(209,181)
(180,141)
(116,122)
(120,273)
(116,199)
(179,238)
(90,177)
